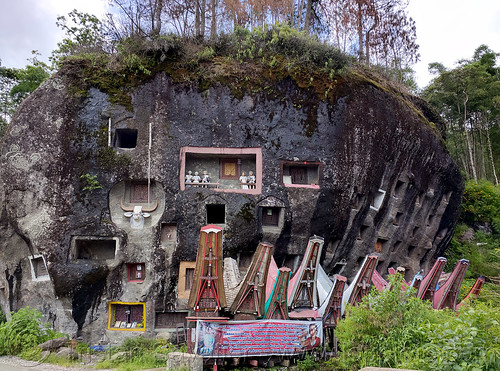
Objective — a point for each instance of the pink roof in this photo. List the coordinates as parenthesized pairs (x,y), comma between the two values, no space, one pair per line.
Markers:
(211,228)
(304,313)
(272,274)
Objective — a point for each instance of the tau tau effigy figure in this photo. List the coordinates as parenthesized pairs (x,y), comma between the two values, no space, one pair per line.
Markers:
(196,178)
(243,181)
(206,178)
(188,178)
(251,180)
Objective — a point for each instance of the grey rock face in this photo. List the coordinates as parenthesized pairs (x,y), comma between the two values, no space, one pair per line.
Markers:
(367,172)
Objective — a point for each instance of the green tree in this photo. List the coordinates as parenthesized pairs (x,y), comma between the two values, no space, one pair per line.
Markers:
(16,84)
(468,97)
(28,79)
(7,105)
(85,33)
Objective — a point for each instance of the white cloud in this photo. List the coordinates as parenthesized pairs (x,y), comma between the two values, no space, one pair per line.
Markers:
(27,25)
(448,31)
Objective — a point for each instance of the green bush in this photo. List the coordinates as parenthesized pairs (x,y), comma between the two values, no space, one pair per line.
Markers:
(477,236)
(479,248)
(395,329)
(24,331)
(469,341)
(383,327)
(481,203)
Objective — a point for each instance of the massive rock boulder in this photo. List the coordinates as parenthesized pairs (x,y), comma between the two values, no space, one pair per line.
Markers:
(362,166)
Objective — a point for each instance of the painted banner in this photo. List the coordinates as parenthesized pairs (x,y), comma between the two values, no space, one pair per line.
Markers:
(256,338)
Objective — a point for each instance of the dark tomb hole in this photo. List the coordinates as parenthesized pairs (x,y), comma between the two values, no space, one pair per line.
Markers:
(216,214)
(411,250)
(125,138)
(396,246)
(397,219)
(398,188)
(95,249)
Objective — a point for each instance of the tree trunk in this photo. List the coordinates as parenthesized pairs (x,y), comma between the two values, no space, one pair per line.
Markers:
(197,18)
(156,18)
(300,8)
(491,155)
(361,56)
(213,26)
(469,144)
(202,18)
(307,20)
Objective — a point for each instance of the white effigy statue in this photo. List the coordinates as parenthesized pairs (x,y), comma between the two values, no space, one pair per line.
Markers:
(243,181)
(196,179)
(251,180)
(206,178)
(188,179)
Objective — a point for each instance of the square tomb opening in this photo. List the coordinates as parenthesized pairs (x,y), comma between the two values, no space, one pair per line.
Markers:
(94,248)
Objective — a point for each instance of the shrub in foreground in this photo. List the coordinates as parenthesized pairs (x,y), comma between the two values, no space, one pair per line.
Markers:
(24,331)
(395,329)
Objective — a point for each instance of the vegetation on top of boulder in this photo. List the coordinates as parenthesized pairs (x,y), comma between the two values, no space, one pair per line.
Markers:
(246,61)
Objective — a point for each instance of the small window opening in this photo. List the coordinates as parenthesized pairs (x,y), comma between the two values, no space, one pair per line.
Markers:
(442,233)
(189,278)
(397,219)
(359,262)
(414,232)
(136,272)
(358,201)
(125,138)
(168,233)
(419,198)
(396,246)
(362,232)
(380,245)
(339,267)
(398,188)
(378,199)
(39,267)
(411,250)
(430,219)
(393,265)
(216,214)
(270,216)
(305,174)
(127,316)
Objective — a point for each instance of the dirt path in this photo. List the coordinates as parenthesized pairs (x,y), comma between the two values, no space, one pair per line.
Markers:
(10,363)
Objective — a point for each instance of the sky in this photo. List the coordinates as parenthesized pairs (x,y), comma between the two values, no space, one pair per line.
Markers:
(447,30)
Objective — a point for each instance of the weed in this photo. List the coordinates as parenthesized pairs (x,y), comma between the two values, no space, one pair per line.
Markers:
(91,181)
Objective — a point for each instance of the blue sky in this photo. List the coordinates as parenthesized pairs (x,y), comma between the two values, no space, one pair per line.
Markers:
(447,30)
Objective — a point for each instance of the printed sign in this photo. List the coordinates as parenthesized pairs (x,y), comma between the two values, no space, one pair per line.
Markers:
(257,338)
